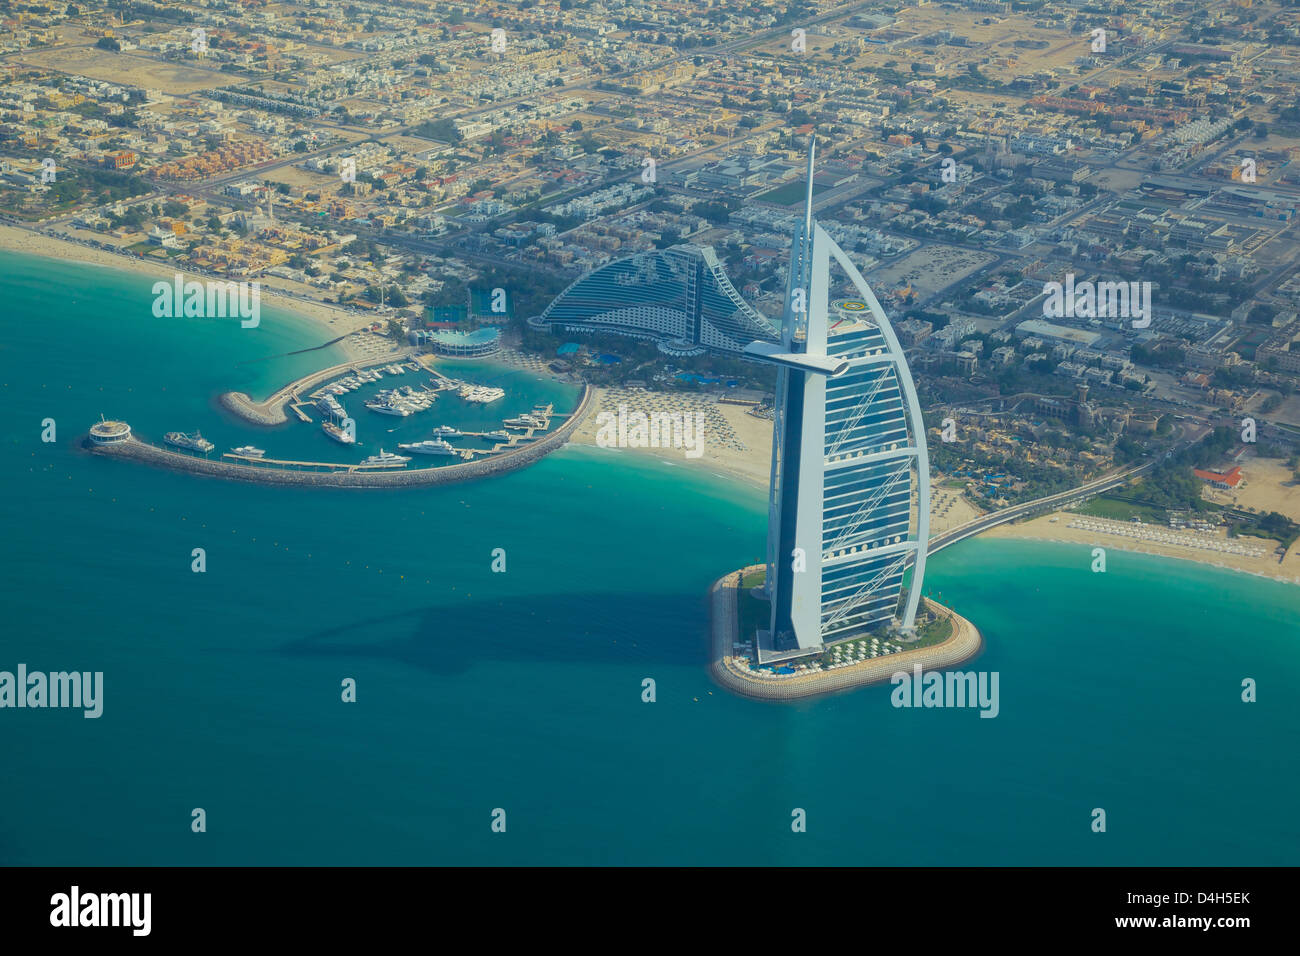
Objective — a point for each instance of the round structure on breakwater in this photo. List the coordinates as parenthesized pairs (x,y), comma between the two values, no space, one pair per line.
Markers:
(348,476)
(104,432)
(961,645)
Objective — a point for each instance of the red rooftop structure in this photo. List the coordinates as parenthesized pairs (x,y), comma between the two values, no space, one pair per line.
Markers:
(1227,480)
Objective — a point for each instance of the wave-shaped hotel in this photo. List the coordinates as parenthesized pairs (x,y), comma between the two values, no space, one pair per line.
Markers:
(680,297)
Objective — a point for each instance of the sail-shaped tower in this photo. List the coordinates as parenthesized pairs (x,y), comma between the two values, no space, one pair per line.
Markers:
(848,507)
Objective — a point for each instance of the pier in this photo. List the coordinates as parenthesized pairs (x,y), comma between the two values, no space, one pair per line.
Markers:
(339,475)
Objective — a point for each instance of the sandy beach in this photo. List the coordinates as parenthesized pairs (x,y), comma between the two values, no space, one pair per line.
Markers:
(737,445)
(741,449)
(1055,527)
(332,320)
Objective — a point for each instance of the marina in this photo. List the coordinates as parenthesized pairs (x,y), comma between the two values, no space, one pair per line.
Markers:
(404,401)
(317,398)
(115,440)
(300,393)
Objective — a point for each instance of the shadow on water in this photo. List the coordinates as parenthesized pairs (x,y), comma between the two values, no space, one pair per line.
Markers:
(550,629)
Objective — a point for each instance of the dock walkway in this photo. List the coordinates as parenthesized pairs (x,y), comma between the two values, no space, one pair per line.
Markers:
(271,411)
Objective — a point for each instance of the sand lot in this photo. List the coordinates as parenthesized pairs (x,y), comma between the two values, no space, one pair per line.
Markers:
(126,68)
(932,269)
(948,509)
(1269,486)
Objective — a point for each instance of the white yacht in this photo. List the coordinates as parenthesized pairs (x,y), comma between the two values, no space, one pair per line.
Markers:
(386,458)
(435,446)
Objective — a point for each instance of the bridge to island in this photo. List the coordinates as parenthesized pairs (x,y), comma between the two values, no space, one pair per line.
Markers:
(1036,507)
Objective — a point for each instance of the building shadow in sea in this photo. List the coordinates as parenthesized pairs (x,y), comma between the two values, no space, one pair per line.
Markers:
(448,639)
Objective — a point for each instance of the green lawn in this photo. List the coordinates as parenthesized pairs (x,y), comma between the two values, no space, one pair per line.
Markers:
(1106,507)
(936,632)
(790,193)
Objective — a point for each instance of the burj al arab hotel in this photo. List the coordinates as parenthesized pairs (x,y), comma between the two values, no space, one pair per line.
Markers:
(849,503)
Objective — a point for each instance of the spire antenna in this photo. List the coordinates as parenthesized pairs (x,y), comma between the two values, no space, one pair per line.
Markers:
(807,211)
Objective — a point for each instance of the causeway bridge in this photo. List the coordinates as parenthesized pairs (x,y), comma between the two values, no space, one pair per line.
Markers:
(1037,506)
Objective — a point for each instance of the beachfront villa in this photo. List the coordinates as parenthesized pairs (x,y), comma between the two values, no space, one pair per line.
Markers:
(848,458)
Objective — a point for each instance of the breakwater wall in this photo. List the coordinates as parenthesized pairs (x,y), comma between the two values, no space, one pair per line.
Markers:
(964,643)
(135,450)
(272,410)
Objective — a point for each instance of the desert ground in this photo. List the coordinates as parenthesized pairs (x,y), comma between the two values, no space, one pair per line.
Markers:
(932,269)
(125,68)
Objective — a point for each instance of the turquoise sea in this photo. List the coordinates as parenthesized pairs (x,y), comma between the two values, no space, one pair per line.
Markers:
(522,690)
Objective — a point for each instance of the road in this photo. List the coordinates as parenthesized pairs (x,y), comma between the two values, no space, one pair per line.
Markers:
(1057,501)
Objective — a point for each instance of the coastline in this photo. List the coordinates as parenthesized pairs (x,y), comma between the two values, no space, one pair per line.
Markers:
(1044,529)
(748,465)
(962,645)
(329,319)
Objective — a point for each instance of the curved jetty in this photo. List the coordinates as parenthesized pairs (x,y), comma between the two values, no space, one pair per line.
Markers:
(271,411)
(964,643)
(342,475)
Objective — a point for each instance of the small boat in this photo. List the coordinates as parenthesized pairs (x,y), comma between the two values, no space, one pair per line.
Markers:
(248,451)
(525,421)
(195,442)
